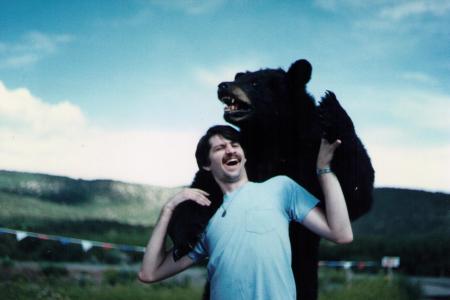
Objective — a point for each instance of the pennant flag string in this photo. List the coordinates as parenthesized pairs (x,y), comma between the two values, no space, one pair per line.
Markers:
(20,235)
(86,245)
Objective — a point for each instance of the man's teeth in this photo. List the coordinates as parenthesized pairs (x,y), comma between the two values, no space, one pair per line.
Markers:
(232,161)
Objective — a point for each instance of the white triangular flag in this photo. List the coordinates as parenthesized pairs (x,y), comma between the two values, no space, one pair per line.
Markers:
(20,235)
(86,245)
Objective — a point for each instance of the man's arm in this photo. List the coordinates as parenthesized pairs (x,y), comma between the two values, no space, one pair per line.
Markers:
(335,225)
(159,264)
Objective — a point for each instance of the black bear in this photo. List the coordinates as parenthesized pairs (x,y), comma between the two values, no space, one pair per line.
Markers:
(281,127)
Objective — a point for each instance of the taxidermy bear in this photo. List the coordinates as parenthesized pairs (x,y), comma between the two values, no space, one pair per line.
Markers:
(281,127)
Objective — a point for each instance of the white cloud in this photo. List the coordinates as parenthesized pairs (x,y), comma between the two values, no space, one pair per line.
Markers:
(43,42)
(417,17)
(406,131)
(429,110)
(211,76)
(393,10)
(410,167)
(31,48)
(411,110)
(419,77)
(57,139)
(407,9)
(412,148)
(193,7)
(140,17)
(334,5)
(326,4)
(20,108)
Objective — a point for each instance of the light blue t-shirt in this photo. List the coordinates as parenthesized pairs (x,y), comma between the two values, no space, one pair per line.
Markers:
(247,240)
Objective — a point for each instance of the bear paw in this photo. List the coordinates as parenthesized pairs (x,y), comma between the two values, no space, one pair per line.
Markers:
(334,120)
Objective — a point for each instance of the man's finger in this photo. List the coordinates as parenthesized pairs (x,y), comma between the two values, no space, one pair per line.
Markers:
(200,191)
(204,199)
(201,199)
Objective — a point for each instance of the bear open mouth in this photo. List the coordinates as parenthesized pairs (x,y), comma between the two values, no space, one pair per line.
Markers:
(235,106)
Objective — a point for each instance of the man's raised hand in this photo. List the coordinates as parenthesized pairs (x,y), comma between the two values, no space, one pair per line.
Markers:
(326,153)
(196,195)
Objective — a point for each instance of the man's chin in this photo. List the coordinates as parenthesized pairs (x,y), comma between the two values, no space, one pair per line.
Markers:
(232,176)
(232,169)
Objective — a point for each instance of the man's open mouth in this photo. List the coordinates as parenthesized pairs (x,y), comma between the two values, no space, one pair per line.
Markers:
(231,161)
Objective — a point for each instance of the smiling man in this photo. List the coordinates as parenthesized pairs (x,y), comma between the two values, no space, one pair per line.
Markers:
(247,239)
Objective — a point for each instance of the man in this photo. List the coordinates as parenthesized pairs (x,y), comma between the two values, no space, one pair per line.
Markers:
(247,239)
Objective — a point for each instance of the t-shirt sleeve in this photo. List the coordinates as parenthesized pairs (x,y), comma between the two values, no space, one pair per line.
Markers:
(199,252)
(298,201)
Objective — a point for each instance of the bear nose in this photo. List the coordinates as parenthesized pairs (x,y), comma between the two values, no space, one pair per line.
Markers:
(223,86)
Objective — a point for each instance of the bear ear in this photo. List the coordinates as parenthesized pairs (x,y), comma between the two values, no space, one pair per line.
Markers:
(300,71)
(240,74)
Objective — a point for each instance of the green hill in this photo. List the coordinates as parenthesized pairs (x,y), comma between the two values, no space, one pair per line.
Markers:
(46,197)
(102,210)
(28,198)
(408,223)
(413,225)
(406,213)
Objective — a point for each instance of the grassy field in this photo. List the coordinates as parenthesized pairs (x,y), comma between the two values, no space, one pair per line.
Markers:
(52,283)
(61,290)
(335,286)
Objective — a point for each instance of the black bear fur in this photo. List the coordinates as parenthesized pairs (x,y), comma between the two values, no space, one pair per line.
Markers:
(281,127)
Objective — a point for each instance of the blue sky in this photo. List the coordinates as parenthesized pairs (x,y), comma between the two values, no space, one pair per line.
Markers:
(123,89)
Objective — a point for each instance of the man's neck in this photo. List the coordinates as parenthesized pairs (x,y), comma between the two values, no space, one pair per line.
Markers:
(229,187)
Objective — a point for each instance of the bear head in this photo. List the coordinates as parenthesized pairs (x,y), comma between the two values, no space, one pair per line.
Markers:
(266,96)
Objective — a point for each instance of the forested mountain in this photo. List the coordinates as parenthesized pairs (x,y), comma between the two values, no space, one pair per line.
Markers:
(41,196)
(414,225)
(402,212)
(395,211)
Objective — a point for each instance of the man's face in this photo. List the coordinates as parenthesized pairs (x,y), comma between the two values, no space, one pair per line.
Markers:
(227,159)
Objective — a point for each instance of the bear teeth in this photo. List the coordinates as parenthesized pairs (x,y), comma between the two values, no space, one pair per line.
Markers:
(228,100)
(231,107)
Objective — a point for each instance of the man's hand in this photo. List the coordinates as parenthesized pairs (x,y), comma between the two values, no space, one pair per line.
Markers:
(326,153)
(196,195)
(157,263)
(335,224)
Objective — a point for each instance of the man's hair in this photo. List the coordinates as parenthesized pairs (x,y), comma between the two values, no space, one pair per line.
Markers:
(203,146)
